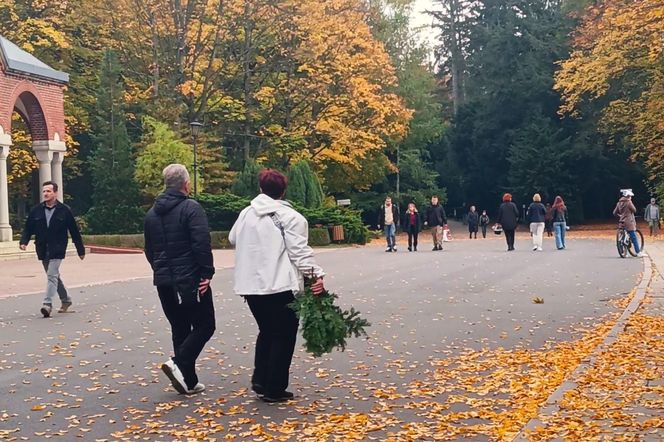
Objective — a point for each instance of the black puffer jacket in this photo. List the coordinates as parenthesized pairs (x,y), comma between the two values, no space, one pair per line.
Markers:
(177,240)
(508,215)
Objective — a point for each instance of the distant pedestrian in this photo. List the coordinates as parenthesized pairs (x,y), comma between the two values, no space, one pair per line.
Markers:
(484,222)
(508,218)
(548,220)
(559,211)
(436,219)
(179,250)
(536,215)
(625,211)
(652,216)
(412,224)
(49,222)
(272,256)
(388,219)
(473,222)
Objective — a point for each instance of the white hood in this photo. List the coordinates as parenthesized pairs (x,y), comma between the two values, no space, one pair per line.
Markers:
(264,205)
(271,248)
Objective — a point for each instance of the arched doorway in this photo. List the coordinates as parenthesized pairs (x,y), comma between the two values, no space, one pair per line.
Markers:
(35,91)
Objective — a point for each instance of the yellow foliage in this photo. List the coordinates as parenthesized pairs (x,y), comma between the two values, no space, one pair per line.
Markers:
(619,58)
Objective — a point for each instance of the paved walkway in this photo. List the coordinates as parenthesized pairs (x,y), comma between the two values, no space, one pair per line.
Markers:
(27,275)
(618,394)
(457,349)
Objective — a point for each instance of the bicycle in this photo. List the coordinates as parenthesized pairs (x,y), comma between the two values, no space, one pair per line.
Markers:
(624,242)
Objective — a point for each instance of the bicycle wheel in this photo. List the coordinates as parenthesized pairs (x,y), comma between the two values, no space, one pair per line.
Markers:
(639,237)
(620,245)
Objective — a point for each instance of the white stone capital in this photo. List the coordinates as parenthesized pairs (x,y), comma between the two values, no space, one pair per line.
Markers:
(49,145)
(44,156)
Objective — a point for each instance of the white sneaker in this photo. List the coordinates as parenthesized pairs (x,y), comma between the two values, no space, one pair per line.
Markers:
(534,248)
(539,249)
(197,389)
(640,255)
(175,375)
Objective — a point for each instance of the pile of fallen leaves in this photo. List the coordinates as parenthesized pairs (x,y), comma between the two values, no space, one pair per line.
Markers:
(324,325)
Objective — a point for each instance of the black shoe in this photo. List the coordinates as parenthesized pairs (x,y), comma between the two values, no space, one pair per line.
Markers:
(415,248)
(258,389)
(46,310)
(410,249)
(278,397)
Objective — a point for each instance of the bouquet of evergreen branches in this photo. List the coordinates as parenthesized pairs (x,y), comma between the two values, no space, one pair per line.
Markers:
(324,325)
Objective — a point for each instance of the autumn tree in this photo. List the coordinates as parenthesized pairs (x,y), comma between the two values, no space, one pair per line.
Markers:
(616,74)
(116,200)
(160,146)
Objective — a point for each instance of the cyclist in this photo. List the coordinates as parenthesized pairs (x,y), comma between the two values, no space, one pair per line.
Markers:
(625,211)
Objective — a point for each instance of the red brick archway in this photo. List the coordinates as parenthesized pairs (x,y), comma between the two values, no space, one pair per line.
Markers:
(35,91)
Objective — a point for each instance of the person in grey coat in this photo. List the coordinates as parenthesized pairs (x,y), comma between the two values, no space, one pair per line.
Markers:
(652,216)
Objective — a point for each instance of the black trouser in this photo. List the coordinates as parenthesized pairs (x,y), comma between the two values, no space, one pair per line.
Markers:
(471,230)
(412,236)
(484,231)
(509,237)
(277,332)
(191,327)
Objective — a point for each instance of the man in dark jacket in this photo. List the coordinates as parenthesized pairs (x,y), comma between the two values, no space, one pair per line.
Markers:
(508,218)
(388,218)
(178,247)
(436,219)
(49,222)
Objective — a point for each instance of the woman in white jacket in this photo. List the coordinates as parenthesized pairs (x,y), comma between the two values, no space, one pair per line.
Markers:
(271,257)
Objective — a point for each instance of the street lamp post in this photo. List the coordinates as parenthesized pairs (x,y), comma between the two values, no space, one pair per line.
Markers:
(195,130)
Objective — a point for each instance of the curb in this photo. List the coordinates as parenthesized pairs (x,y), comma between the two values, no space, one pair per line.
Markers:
(551,404)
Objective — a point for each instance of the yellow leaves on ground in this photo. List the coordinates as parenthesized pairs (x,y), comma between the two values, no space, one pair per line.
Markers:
(621,395)
(474,395)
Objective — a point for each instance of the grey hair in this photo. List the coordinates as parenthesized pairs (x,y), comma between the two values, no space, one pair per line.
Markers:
(175,176)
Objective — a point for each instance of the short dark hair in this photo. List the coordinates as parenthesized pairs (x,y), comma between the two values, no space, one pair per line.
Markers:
(51,183)
(272,183)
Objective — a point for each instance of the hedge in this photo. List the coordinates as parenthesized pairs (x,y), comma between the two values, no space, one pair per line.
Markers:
(317,237)
(223,210)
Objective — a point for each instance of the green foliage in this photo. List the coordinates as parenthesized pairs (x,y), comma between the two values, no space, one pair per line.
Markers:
(223,210)
(303,185)
(162,147)
(324,325)
(246,182)
(115,194)
(319,236)
(354,229)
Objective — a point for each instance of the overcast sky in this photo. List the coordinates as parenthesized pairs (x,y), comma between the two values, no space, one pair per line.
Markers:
(419,18)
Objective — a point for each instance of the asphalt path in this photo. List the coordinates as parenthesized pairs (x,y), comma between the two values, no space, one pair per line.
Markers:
(94,371)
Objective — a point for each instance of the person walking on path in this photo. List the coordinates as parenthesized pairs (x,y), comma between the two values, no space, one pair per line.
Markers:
(652,216)
(508,218)
(625,212)
(271,257)
(178,248)
(548,220)
(536,215)
(473,222)
(388,218)
(49,222)
(559,219)
(412,224)
(484,222)
(435,218)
